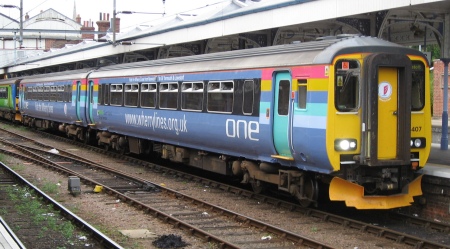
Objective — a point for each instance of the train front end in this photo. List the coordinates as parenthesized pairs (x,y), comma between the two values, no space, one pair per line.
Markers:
(379,131)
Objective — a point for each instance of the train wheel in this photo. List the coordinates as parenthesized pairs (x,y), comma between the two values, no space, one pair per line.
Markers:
(257,186)
(310,192)
(89,137)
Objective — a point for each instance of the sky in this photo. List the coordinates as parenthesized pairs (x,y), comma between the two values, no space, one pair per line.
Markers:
(91,9)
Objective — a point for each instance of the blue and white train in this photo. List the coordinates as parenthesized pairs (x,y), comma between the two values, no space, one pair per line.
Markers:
(351,112)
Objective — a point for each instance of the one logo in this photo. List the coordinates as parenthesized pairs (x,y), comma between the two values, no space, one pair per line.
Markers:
(384,91)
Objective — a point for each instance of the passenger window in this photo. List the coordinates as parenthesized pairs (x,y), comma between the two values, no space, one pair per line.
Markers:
(53,93)
(248,101)
(283,97)
(116,94)
(91,91)
(60,94)
(347,85)
(100,95)
(192,96)
(35,93)
(220,96)
(46,93)
(3,93)
(168,95)
(132,95)
(148,95)
(418,86)
(106,93)
(26,93)
(302,93)
(41,95)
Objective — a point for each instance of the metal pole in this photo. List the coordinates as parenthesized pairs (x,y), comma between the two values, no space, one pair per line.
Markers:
(21,25)
(444,135)
(15,51)
(114,24)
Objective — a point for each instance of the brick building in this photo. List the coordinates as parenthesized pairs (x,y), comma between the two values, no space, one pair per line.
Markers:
(46,39)
(438,88)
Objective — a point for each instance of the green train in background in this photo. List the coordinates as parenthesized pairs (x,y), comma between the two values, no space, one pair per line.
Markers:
(9,100)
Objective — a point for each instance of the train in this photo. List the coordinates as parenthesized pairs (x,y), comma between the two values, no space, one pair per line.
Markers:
(350,113)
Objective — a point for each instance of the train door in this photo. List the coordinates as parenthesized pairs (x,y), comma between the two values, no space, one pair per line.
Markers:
(387,106)
(78,101)
(387,111)
(90,102)
(16,94)
(281,125)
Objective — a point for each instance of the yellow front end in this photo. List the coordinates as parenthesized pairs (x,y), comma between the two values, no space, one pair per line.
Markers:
(379,129)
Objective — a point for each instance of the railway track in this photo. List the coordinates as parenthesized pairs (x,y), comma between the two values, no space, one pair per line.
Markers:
(33,231)
(356,225)
(212,223)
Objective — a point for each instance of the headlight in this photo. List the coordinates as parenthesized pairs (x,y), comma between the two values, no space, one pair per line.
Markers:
(345,144)
(418,142)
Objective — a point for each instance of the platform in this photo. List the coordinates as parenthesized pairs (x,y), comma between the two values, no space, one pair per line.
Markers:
(438,163)
(8,239)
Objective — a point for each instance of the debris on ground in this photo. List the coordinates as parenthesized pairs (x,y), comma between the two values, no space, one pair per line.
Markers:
(169,241)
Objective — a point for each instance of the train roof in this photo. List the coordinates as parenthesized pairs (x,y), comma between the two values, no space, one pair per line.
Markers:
(316,52)
(59,76)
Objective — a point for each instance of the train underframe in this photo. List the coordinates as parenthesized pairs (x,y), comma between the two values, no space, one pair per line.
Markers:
(11,116)
(304,186)
(260,175)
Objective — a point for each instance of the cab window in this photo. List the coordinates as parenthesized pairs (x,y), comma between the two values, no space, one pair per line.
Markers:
(418,86)
(347,84)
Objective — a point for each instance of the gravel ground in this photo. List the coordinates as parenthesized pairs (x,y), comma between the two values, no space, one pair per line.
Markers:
(110,216)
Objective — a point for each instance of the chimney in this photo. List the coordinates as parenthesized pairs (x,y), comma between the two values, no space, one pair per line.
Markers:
(78,19)
(87,27)
(27,17)
(103,25)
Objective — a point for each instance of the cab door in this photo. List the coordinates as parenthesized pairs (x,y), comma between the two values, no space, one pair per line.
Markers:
(281,121)
(386,110)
